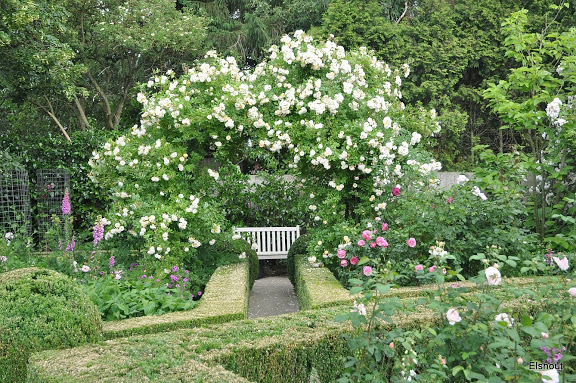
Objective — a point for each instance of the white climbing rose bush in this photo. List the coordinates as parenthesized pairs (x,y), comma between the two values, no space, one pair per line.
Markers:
(334,118)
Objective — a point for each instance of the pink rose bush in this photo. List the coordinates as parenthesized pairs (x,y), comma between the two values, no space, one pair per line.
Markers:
(365,255)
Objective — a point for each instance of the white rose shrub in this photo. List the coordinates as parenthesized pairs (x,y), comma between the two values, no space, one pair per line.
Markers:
(333,118)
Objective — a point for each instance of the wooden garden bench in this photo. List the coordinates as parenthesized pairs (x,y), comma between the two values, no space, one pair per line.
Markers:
(272,242)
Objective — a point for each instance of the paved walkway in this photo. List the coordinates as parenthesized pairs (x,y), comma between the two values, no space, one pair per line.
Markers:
(272,296)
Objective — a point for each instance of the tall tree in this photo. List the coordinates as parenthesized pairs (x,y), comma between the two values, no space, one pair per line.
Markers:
(122,43)
(79,60)
(36,61)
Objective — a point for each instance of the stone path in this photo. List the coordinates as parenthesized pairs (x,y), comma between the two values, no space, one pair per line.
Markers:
(272,296)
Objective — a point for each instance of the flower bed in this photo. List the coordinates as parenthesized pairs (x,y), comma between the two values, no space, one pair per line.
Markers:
(226,299)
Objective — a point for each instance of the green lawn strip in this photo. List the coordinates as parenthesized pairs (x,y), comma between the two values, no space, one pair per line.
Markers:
(225,299)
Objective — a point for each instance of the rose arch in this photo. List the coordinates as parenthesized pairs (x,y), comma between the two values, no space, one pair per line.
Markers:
(333,118)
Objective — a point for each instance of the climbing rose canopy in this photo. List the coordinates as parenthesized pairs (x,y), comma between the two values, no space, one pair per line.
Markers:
(332,117)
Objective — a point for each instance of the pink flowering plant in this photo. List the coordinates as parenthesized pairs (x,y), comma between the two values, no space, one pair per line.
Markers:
(356,252)
(502,332)
(504,325)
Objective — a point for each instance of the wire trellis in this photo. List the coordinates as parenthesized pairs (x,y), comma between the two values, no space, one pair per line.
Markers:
(51,184)
(15,202)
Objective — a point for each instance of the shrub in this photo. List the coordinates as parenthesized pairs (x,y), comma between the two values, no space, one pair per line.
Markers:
(41,309)
(298,247)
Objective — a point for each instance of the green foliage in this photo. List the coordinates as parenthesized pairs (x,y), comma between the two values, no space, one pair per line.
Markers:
(462,220)
(47,151)
(298,247)
(225,299)
(454,48)
(34,49)
(270,200)
(315,286)
(504,330)
(119,299)
(245,29)
(450,226)
(303,344)
(41,309)
(536,101)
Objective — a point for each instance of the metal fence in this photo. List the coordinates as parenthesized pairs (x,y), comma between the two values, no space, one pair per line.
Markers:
(15,212)
(51,185)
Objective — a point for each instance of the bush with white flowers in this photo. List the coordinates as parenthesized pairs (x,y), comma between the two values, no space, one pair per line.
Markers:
(332,117)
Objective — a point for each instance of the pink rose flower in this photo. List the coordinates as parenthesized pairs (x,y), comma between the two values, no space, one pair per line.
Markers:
(431,269)
(395,192)
(553,375)
(343,263)
(562,263)
(572,291)
(384,226)
(381,242)
(450,199)
(411,242)
(354,260)
(418,268)
(341,253)
(372,244)
(361,243)
(367,271)
(493,276)
(391,345)
(453,316)
(366,234)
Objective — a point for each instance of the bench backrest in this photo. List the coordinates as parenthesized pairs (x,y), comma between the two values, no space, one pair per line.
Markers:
(271,242)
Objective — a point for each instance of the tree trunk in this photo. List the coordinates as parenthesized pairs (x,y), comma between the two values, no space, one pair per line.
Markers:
(109,117)
(81,114)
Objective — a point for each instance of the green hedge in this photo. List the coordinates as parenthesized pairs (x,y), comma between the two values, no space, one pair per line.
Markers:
(298,247)
(288,348)
(262,350)
(41,309)
(315,286)
(225,299)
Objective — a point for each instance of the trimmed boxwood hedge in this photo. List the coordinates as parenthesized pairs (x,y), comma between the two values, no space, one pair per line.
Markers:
(286,348)
(315,286)
(41,309)
(298,247)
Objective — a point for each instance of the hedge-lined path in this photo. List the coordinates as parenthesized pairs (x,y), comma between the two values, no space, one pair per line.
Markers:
(272,296)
